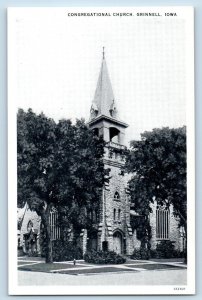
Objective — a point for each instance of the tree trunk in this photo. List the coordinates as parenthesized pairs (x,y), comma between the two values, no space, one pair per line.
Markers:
(145,241)
(48,242)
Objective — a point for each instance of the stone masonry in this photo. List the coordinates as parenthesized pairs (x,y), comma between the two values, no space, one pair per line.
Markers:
(174,232)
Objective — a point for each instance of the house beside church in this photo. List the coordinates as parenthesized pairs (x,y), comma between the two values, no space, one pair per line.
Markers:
(112,228)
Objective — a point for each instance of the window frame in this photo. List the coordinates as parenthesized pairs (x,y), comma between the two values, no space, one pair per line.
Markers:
(162,224)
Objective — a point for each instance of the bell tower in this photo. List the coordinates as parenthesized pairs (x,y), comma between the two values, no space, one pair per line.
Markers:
(104,117)
(114,230)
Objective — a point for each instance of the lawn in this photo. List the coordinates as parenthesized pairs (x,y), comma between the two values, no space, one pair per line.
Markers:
(42,267)
(81,267)
(155,267)
(96,271)
(132,262)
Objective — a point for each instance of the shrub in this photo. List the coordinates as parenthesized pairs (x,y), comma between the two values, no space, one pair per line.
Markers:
(20,251)
(178,254)
(165,249)
(153,253)
(103,257)
(65,250)
(144,253)
(141,253)
(136,254)
(32,253)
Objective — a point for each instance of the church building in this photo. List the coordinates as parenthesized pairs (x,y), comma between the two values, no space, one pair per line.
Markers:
(112,227)
(114,230)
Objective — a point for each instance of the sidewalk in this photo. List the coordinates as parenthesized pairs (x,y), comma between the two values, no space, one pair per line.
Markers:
(168,277)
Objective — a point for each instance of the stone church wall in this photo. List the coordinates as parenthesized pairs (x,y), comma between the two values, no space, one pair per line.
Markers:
(120,223)
(174,233)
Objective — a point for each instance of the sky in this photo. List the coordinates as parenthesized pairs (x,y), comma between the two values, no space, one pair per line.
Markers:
(55,61)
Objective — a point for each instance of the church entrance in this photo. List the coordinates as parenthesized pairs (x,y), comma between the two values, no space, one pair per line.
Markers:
(117,242)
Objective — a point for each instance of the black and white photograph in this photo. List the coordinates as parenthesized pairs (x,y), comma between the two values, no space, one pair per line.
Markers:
(101,151)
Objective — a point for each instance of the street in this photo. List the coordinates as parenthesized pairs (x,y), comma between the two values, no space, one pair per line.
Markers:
(154,277)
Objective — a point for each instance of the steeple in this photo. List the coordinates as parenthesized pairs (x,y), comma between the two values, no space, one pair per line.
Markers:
(103,102)
(103,113)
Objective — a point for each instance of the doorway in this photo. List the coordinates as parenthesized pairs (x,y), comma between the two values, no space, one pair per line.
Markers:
(117,242)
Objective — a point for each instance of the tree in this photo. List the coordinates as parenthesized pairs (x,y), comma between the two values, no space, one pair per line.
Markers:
(82,174)
(158,165)
(59,165)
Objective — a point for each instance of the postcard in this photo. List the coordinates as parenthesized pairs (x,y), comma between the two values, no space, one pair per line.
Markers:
(101,150)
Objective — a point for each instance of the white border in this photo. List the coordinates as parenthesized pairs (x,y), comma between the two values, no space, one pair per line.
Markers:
(14,289)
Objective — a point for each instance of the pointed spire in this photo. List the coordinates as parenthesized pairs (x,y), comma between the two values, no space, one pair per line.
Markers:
(103,102)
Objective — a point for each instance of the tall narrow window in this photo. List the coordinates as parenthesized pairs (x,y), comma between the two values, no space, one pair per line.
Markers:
(55,229)
(114,214)
(119,214)
(162,224)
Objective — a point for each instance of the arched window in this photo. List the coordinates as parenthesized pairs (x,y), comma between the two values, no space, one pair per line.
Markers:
(54,227)
(29,225)
(116,196)
(162,223)
(114,134)
(119,214)
(114,214)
